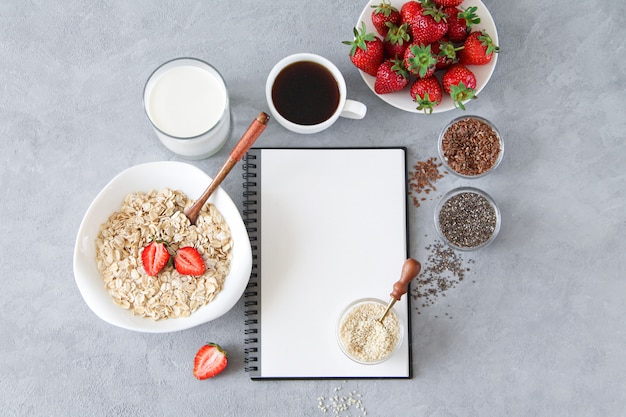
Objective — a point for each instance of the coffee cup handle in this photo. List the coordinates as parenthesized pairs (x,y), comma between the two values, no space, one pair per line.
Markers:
(353,110)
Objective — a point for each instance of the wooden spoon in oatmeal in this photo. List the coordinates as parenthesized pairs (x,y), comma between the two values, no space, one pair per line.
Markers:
(247,140)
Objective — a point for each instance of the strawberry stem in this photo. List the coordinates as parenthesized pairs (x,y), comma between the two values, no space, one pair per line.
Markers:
(384,7)
(360,38)
(429,8)
(421,61)
(485,40)
(460,93)
(426,104)
(470,16)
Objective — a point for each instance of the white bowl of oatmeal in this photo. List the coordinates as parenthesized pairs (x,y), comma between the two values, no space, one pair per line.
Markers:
(146,202)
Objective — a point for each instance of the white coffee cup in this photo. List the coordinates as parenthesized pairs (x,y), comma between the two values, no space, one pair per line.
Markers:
(341,107)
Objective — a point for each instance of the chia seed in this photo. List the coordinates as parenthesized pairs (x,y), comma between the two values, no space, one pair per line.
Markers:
(467,220)
(442,271)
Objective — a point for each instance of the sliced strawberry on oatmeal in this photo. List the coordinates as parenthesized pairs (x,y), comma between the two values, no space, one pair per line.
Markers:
(188,261)
(154,257)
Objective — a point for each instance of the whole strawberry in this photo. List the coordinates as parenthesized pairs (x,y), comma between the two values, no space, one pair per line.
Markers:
(429,25)
(384,13)
(427,93)
(396,41)
(478,49)
(366,51)
(445,53)
(460,22)
(460,83)
(391,77)
(419,60)
(409,11)
(448,3)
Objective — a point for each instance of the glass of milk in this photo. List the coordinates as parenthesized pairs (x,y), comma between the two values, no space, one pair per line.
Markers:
(187,103)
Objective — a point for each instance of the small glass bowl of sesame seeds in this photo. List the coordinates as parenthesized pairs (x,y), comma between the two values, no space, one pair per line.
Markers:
(470,146)
(467,218)
(363,338)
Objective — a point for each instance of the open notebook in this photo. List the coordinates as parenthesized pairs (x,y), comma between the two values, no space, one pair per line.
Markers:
(328,227)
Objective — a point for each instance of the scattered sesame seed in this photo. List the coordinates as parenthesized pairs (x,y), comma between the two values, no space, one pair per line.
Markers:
(345,405)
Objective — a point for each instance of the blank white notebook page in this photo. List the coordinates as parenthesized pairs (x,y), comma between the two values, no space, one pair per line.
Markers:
(333,230)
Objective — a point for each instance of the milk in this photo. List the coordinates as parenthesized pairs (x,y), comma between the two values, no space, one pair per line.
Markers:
(187,102)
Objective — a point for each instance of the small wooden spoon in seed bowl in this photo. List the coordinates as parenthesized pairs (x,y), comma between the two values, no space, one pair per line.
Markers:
(369,331)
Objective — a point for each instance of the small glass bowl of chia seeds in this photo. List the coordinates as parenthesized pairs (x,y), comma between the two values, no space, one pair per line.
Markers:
(467,218)
(470,146)
(363,338)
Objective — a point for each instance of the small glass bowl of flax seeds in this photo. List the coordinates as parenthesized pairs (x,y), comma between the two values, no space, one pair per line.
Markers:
(467,218)
(470,146)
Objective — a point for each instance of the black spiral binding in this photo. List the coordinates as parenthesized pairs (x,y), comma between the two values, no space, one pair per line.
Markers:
(251,295)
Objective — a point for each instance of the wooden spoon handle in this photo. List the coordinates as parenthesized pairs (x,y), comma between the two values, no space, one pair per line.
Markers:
(245,143)
(410,269)
(250,136)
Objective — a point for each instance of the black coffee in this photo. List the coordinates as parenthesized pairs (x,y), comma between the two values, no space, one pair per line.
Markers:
(305,93)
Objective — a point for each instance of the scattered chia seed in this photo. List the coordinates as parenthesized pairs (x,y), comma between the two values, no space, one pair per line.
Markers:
(443,270)
(467,219)
(422,179)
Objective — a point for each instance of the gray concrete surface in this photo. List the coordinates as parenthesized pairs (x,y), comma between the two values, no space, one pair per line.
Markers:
(537,326)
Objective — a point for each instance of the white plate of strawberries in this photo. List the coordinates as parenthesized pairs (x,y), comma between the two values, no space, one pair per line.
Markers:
(426,56)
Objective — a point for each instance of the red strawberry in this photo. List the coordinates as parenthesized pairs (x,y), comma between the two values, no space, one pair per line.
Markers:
(409,11)
(460,22)
(391,77)
(396,41)
(448,3)
(188,261)
(419,60)
(384,13)
(429,25)
(210,360)
(154,257)
(366,51)
(478,49)
(445,52)
(427,93)
(460,83)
